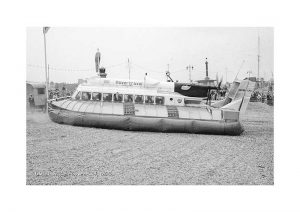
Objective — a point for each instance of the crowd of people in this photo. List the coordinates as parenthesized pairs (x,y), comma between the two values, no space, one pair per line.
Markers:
(54,94)
(260,96)
(256,96)
(217,94)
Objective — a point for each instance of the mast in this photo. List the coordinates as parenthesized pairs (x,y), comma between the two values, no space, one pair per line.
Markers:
(45,30)
(206,67)
(258,57)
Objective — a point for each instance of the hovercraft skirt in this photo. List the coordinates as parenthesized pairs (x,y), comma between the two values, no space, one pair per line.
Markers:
(139,123)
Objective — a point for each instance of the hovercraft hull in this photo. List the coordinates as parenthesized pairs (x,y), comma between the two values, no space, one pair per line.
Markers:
(140,123)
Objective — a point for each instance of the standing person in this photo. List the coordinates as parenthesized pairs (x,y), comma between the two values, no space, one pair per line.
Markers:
(50,95)
(63,91)
(209,95)
(97,61)
(31,102)
(57,93)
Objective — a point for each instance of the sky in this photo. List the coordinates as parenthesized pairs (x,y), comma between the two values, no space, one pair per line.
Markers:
(71,52)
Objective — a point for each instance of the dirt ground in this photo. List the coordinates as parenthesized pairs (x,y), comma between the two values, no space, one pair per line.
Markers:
(68,155)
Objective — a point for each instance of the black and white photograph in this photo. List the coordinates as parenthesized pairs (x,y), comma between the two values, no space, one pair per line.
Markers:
(150,106)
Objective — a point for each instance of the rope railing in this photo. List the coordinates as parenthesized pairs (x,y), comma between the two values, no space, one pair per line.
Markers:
(134,68)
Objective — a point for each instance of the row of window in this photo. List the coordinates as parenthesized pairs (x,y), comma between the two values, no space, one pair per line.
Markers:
(109,97)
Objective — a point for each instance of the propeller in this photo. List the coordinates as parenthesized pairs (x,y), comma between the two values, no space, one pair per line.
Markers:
(220,83)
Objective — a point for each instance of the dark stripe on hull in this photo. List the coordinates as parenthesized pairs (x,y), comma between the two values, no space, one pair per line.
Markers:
(154,124)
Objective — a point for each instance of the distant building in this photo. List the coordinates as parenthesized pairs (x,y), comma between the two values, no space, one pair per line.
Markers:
(38,91)
(207,81)
(260,83)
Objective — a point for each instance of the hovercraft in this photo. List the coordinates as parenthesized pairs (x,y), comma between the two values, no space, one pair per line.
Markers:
(150,105)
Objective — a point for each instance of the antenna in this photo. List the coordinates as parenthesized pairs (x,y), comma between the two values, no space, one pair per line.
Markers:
(129,68)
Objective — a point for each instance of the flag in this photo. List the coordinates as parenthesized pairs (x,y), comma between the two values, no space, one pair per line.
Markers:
(45,29)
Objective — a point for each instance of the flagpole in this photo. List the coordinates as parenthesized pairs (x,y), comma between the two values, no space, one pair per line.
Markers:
(45,48)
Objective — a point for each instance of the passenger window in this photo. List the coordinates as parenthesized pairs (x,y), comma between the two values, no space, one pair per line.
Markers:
(192,102)
(159,100)
(118,97)
(107,97)
(78,95)
(128,98)
(149,100)
(139,99)
(96,96)
(86,96)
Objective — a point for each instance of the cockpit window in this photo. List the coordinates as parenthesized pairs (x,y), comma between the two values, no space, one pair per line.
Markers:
(159,100)
(96,96)
(139,99)
(86,96)
(107,97)
(128,98)
(118,97)
(78,95)
(149,100)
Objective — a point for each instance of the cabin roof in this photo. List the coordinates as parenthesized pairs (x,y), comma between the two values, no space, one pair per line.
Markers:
(126,90)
